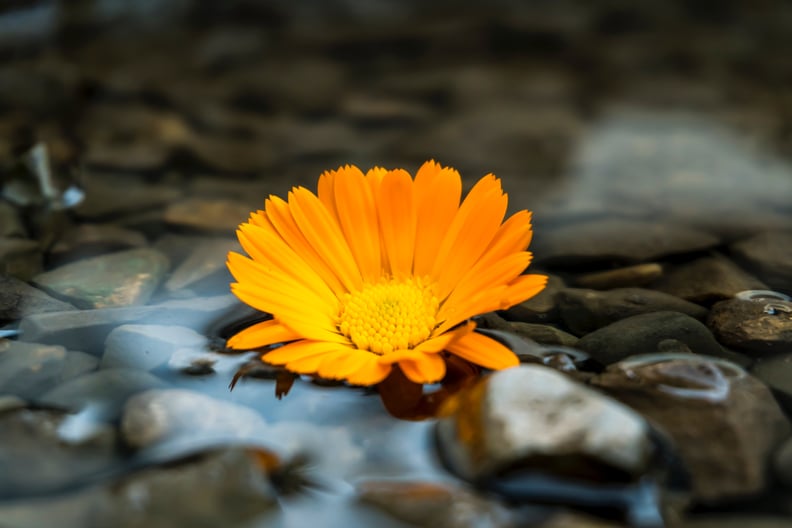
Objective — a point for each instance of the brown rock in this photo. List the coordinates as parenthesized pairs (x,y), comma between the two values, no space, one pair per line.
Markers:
(207,214)
(707,280)
(627,277)
(770,256)
(756,326)
(541,308)
(20,258)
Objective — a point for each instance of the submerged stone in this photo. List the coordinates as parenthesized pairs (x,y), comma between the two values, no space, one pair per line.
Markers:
(147,347)
(206,258)
(18,299)
(118,279)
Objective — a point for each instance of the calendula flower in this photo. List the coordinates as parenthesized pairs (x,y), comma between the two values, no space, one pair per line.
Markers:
(378,270)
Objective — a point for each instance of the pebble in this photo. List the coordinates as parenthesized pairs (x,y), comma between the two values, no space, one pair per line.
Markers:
(28,369)
(707,280)
(754,326)
(541,308)
(770,256)
(167,414)
(775,371)
(208,215)
(627,277)
(611,240)
(544,334)
(18,299)
(207,257)
(643,334)
(147,347)
(20,258)
(584,311)
(723,421)
(117,279)
(94,239)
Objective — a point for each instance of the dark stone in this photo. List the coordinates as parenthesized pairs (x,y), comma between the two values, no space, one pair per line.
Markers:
(541,308)
(707,280)
(775,371)
(770,256)
(110,195)
(544,334)
(724,422)
(209,215)
(94,239)
(758,326)
(20,258)
(10,224)
(643,334)
(627,277)
(584,311)
(18,299)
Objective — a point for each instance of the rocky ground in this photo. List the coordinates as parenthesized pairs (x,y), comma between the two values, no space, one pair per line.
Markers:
(652,145)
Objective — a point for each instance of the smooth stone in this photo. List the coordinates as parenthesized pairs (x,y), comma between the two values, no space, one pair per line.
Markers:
(207,257)
(759,327)
(583,311)
(92,239)
(20,258)
(146,347)
(205,214)
(87,329)
(610,240)
(643,334)
(544,334)
(724,422)
(29,369)
(111,388)
(627,277)
(541,308)
(533,415)
(432,504)
(707,280)
(166,414)
(125,278)
(775,371)
(109,195)
(18,299)
(10,402)
(770,256)
(10,225)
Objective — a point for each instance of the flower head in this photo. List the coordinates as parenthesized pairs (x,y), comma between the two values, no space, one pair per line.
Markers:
(378,269)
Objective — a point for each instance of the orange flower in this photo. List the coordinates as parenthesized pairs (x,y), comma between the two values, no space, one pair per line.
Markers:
(380,269)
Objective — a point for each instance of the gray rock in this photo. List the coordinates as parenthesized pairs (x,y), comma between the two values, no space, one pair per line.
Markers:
(544,334)
(707,280)
(147,347)
(611,240)
(433,504)
(541,308)
(584,311)
(108,194)
(20,258)
(28,369)
(643,334)
(87,329)
(207,257)
(117,279)
(724,422)
(533,414)
(209,215)
(770,256)
(92,239)
(18,299)
(759,327)
(10,225)
(775,371)
(165,414)
(627,277)
(111,387)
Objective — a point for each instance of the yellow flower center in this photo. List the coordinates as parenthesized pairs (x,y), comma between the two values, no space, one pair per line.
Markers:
(390,315)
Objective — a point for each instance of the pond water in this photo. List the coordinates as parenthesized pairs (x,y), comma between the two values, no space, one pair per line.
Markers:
(651,143)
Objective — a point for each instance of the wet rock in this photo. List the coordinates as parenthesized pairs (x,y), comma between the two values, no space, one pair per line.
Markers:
(94,239)
(165,414)
(87,329)
(541,308)
(627,277)
(643,334)
(110,387)
(11,403)
(10,224)
(707,280)
(20,258)
(770,256)
(584,311)
(724,422)
(775,371)
(204,214)
(434,504)
(621,241)
(118,279)
(109,195)
(147,347)
(533,416)
(544,334)
(18,299)
(759,326)
(206,258)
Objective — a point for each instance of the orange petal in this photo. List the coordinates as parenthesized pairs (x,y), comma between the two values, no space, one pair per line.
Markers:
(371,373)
(437,194)
(430,368)
(439,343)
(397,221)
(262,334)
(357,213)
(340,367)
(300,350)
(483,351)
(523,288)
(325,190)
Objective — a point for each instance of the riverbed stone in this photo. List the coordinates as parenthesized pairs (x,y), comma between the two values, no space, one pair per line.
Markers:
(147,347)
(117,279)
(627,277)
(20,257)
(93,239)
(206,258)
(207,215)
(584,311)
(646,333)
(770,256)
(775,371)
(543,333)
(724,422)
(756,326)
(541,308)
(707,280)
(18,299)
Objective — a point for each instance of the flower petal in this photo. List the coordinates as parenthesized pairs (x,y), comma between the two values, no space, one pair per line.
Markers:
(430,368)
(483,351)
(340,367)
(370,373)
(396,209)
(437,194)
(300,350)
(357,213)
(262,334)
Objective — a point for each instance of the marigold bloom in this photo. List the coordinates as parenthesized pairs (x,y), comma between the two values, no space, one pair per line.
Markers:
(380,269)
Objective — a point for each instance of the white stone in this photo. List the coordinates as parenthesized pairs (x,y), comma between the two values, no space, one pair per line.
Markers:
(147,347)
